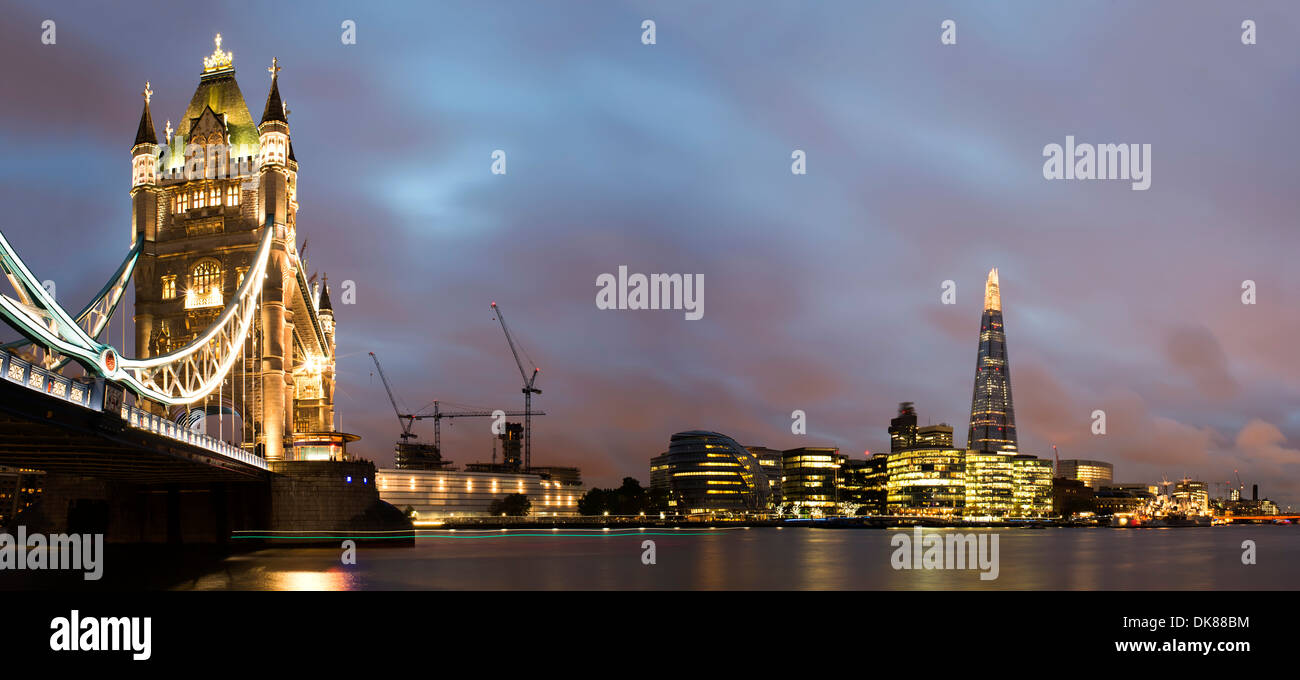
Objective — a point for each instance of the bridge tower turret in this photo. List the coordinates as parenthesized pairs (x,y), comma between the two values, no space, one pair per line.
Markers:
(225,181)
(144,176)
(277,175)
(144,206)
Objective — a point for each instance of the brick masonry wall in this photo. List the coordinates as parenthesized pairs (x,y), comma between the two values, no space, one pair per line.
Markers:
(316,496)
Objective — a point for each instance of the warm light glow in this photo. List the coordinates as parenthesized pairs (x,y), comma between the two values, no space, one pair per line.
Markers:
(992,294)
(219,60)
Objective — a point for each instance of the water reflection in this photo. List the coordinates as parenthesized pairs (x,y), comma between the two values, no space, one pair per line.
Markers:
(790,558)
(332,579)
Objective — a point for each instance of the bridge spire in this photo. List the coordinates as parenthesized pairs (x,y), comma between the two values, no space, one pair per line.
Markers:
(145,133)
(274,105)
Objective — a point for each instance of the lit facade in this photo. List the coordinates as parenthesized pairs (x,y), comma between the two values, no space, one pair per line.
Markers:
(992,414)
(957,483)
(709,473)
(769,460)
(990,485)
(863,482)
(1033,486)
(934,436)
(810,477)
(929,482)
(1094,473)
(445,494)
(200,202)
(1192,496)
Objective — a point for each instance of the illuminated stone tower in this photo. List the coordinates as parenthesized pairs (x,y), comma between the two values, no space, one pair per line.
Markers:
(992,416)
(201,203)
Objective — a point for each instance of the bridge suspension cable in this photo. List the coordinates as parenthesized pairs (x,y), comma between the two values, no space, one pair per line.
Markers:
(182,376)
(97,313)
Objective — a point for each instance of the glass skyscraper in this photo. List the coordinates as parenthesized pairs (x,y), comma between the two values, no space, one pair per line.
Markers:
(992,416)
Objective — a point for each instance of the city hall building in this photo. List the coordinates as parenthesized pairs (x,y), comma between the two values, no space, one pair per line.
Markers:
(706,472)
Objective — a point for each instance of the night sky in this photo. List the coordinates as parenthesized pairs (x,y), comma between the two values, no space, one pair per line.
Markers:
(822,291)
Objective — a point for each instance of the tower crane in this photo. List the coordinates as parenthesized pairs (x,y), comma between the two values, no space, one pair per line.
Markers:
(405,420)
(528,388)
(438,414)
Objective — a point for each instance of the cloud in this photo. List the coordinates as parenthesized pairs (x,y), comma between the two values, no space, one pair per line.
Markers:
(1197,353)
(1263,442)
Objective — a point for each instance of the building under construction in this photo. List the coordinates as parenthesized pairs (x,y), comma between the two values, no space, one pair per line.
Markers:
(432,486)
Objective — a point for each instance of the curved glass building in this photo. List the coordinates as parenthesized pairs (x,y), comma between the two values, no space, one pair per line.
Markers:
(708,472)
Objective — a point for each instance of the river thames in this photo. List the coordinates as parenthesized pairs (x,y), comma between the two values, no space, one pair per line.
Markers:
(768,559)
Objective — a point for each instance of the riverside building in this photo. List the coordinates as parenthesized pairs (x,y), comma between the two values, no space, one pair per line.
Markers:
(810,478)
(441,494)
(709,473)
(1093,473)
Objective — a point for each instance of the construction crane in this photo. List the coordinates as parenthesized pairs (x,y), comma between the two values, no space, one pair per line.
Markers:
(405,420)
(438,414)
(528,389)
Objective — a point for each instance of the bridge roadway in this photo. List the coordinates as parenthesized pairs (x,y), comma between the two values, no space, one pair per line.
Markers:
(43,431)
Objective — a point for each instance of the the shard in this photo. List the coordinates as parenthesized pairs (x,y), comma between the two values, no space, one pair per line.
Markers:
(992,416)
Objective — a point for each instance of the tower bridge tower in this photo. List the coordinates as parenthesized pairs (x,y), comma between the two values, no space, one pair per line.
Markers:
(201,202)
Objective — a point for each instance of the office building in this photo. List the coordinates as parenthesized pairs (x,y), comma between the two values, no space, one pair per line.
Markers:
(769,460)
(990,482)
(1033,486)
(902,429)
(1192,497)
(927,482)
(934,436)
(810,478)
(1094,473)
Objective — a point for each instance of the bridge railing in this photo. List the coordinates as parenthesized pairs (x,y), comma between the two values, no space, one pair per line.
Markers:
(17,370)
(143,420)
(89,395)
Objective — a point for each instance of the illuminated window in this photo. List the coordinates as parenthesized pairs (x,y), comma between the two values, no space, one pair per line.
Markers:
(239,275)
(232,194)
(205,285)
(214,196)
(169,287)
(200,199)
(183,202)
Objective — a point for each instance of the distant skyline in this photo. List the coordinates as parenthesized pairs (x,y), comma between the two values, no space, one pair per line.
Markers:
(823,290)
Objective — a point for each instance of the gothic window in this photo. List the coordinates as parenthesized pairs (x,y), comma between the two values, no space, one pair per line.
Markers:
(205,285)
(169,287)
(214,196)
(232,194)
(183,202)
(162,339)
